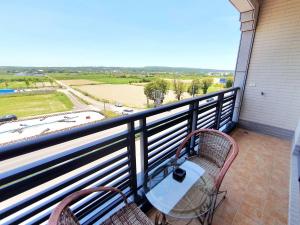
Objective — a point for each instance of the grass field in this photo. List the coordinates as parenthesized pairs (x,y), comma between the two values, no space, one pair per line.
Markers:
(24,105)
(109,114)
(103,78)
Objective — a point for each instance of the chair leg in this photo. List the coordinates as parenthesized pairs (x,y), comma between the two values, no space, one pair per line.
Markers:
(224,193)
(216,205)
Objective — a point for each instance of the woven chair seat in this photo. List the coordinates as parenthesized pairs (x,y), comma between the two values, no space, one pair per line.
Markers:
(129,215)
(211,169)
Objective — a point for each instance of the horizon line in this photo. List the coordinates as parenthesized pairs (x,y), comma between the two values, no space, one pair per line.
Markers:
(187,67)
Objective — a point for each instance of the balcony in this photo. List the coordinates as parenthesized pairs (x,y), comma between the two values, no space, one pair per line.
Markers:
(257,183)
(37,174)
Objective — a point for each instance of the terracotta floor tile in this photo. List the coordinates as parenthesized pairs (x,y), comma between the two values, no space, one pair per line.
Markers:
(252,211)
(241,219)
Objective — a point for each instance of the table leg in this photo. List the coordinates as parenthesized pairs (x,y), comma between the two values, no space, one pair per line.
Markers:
(160,219)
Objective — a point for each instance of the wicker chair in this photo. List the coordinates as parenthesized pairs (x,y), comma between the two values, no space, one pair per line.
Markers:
(130,214)
(216,152)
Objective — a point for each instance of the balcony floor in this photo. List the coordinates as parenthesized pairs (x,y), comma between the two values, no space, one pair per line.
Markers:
(257,183)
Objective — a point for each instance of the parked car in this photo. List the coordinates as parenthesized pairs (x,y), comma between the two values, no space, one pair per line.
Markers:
(7,118)
(210,100)
(118,104)
(127,111)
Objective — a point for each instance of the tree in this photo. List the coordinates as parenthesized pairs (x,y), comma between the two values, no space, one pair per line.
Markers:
(178,88)
(27,83)
(229,83)
(194,88)
(206,83)
(156,85)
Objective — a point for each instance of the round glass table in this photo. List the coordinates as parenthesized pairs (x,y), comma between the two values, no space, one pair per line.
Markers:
(191,198)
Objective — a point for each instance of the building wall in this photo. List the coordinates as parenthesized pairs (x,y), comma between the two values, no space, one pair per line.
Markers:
(274,68)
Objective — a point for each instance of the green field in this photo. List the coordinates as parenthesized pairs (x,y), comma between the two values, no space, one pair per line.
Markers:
(103,78)
(24,105)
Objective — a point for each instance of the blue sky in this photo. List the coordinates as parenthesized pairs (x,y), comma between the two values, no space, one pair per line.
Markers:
(181,33)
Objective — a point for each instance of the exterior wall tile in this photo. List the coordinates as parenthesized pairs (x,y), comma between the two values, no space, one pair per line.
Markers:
(275,67)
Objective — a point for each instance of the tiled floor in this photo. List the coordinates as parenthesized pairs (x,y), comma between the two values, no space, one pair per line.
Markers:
(257,183)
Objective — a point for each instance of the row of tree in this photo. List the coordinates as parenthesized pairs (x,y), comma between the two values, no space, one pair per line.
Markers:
(28,81)
(158,88)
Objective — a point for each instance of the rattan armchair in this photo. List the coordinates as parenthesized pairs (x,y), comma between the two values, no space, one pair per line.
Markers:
(215,153)
(130,214)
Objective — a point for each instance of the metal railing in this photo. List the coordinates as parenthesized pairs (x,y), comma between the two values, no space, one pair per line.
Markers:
(137,143)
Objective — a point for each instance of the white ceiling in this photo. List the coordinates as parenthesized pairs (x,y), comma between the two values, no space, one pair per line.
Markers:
(244,5)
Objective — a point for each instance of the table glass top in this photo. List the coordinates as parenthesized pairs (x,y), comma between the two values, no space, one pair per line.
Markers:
(187,199)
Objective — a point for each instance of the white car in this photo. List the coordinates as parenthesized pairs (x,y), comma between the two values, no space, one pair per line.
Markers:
(118,104)
(127,111)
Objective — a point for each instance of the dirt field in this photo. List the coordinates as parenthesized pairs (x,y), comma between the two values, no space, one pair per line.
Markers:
(78,82)
(129,95)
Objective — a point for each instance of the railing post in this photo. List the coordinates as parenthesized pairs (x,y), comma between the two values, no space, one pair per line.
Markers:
(219,110)
(144,149)
(132,158)
(193,125)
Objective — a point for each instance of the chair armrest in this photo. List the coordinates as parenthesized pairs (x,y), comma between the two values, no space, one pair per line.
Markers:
(55,215)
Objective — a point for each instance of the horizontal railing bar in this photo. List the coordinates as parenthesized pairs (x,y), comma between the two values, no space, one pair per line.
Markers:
(29,169)
(23,147)
(226,111)
(157,139)
(228,98)
(207,117)
(202,115)
(167,125)
(225,121)
(166,140)
(226,101)
(32,181)
(163,157)
(212,122)
(207,107)
(224,108)
(155,152)
(167,119)
(207,121)
(26,202)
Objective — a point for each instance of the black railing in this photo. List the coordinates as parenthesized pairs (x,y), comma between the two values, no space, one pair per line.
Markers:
(116,152)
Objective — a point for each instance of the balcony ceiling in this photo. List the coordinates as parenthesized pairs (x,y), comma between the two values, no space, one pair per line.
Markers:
(244,5)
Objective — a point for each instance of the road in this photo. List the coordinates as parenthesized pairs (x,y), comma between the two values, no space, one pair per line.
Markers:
(96,104)
(77,104)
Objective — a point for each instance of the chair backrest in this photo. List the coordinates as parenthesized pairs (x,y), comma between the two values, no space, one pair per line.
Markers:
(216,146)
(62,215)
(213,146)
